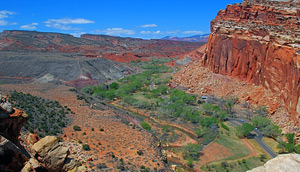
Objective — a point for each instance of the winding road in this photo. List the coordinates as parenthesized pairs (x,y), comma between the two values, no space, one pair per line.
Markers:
(258,137)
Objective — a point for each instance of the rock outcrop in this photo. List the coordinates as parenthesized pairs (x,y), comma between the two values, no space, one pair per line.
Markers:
(12,154)
(50,154)
(282,163)
(258,41)
(47,153)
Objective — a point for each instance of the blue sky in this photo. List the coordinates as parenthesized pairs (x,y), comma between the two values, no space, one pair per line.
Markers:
(132,18)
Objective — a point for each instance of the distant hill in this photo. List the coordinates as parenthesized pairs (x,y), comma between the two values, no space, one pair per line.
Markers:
(196,38)
(94,46)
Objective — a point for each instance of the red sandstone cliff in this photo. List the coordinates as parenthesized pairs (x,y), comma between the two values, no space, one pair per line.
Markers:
(258,41)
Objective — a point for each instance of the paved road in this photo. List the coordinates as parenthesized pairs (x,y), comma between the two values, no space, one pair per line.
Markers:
(258,137)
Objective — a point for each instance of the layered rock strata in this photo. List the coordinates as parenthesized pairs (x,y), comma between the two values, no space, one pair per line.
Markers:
(258,41)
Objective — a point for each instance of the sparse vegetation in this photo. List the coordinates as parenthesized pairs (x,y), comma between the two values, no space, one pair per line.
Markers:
(46,117)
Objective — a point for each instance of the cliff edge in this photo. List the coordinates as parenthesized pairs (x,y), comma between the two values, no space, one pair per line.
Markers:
(258,41)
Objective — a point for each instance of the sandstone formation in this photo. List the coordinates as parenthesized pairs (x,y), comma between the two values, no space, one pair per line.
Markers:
(258,41)
(282,163)
(50,154)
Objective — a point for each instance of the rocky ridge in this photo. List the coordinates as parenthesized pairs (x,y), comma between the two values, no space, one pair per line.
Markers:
(258,41)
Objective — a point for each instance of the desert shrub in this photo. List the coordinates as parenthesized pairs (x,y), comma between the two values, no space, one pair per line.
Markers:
(145,125)
(86,147)
(139,152)
(76,128)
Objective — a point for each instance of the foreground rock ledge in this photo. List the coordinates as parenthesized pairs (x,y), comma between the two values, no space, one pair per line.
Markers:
(282,163)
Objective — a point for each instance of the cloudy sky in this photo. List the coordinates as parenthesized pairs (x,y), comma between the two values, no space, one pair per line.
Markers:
(132,18)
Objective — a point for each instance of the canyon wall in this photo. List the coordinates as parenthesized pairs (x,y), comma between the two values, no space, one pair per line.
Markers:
(258,41)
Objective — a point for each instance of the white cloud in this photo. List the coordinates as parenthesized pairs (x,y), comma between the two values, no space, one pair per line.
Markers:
(77,34)
(172,32)
(31,26)
(152,32)
(193,32)
(64,23)
(145,32)
(158,32)
(149,25)
(116,31)
(5,14)
(69,21)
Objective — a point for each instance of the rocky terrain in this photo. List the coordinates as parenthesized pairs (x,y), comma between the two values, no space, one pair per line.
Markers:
(94,46)
(43,155)
(196,38)
(112,140)
(282,163)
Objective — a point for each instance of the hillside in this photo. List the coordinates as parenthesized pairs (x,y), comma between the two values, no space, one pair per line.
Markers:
(69,69)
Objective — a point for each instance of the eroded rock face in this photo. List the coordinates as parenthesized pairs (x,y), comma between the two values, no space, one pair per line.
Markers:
(282,163)
(11,157)
(11,125)
(258,41)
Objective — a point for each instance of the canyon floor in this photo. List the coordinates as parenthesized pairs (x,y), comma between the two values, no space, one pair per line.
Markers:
(117,138)
(114,140)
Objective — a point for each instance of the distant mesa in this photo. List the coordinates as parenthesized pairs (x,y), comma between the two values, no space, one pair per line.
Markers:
(196,38)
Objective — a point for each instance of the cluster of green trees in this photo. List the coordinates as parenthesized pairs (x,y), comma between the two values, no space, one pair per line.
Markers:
(244,130)
(289,146)
(266,126)
(192,152)
(45,117)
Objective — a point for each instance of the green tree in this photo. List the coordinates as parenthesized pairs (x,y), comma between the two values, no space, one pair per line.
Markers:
(114,85)
(290,137)
(260,122)
(271,131)
(192,151)
(199,132)
(244,130)
(207,122)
